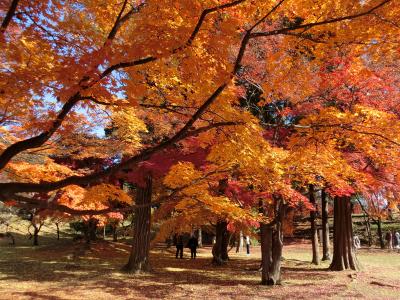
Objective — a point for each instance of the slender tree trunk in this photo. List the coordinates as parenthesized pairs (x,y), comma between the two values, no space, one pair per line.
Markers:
(241,244)
(344,255)
(368,230)
(58,232)
(237,238)
(92,229)
(271,247)
(9,234)
(326,255)
(139,257)
(314,229)
(380,234)
(35,235)
(115,235)
(200,238)
(220,248)
(86,232)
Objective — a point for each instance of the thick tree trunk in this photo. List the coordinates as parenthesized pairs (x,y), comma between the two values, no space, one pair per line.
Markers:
(89,230)
(271,247)
(220,248)
(380,234)
(314,229)
(326,255)
(344,255)
(139,257)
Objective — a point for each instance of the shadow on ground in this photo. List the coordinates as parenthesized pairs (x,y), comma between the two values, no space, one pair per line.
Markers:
(68,266)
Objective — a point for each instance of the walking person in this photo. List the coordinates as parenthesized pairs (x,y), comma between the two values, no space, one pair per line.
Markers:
(178,239)
(193,243)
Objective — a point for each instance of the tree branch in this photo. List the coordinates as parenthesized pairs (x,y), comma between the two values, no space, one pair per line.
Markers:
(9,189)
(248,36)
(202,19)
(9,15)
(39,140)
(314,24)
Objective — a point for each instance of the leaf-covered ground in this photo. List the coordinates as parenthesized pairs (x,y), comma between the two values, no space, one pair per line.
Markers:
(63,270)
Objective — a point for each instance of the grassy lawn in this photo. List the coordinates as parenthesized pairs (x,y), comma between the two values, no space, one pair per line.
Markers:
(63,270)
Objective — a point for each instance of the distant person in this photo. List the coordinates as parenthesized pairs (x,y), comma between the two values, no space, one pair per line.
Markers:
(396,240)
(178,241)
(389,239)
(192,244)
(357,243)
(248,245)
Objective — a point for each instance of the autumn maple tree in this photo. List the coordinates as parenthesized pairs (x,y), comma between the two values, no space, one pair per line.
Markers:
(160,75)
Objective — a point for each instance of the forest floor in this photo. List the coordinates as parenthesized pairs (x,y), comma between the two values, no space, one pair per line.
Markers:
(62,270)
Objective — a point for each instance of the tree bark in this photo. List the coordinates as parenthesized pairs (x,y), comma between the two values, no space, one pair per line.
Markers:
(89,230)
(220,248)
(326,255)
(380,234)
(139,257)
(314,229)
(271,247)
(344,255)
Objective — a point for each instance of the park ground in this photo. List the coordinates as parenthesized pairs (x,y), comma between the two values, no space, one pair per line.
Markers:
(64,270)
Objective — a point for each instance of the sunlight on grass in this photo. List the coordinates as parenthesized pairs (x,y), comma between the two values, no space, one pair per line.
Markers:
(170,269)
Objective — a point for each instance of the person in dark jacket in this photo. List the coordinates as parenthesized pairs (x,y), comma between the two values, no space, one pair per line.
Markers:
(193,244)
(178,241)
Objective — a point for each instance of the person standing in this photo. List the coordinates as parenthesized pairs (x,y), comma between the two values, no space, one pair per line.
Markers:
(357,243)
(248,245)
(193,243)
(179,245)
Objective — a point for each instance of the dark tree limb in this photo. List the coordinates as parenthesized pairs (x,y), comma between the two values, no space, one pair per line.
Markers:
(9,189)
(39,140)
(9,15)
(314,24)
(84,83)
